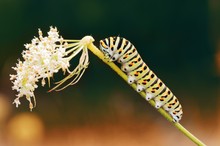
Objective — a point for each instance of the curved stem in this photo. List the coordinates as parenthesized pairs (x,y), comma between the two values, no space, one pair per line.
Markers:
(99,54)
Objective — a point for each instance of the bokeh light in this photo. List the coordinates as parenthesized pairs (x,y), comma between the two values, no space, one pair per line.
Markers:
(5,108)
(25,129)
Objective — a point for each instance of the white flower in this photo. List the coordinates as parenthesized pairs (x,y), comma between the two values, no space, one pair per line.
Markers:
(45,56)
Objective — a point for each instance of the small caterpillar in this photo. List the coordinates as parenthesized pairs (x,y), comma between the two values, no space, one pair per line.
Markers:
(121,50)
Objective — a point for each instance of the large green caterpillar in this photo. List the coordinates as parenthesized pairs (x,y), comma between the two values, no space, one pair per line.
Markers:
(121,50)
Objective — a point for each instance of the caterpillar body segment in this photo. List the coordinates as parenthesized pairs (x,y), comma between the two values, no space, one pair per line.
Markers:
(136,75)
(146,82)
(127,56)
(124,52)
(132,64)
(163,98)
(124,46)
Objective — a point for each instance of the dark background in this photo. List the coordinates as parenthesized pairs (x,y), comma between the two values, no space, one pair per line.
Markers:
(179,40)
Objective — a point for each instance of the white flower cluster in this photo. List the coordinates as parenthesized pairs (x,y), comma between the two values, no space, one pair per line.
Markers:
(43,57)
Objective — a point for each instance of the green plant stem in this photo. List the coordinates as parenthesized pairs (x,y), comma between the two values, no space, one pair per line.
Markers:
(99,54)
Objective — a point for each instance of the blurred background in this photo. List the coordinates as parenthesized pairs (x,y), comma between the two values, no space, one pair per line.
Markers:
(179,40)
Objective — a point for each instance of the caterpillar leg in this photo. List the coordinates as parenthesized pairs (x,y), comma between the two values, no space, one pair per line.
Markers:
(149,96)
(158,105)
(140,88)
(131,79)
(106,57)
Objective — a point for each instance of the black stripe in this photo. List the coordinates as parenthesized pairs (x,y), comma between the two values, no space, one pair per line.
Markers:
(164,89)
(114,40)
(144,75)
(175,103)
(105,42)
(177,106)
(131,59)
(139,66)
(170,99)
(154,82)
(120,42)
(147,73)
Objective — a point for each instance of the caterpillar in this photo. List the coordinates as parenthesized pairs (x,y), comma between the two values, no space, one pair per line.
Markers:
(124,52)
